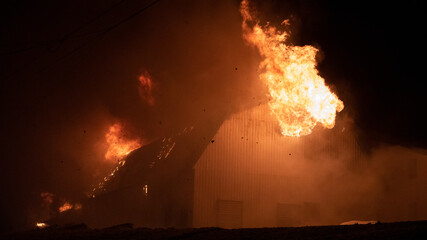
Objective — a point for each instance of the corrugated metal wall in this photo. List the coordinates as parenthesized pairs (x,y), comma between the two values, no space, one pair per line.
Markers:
(248,161)
(318,179)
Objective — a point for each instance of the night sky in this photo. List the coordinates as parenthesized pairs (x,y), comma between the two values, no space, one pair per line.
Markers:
(69,69)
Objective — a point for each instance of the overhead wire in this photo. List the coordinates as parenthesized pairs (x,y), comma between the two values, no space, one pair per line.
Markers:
(97,37)
(103,33)
(68,36)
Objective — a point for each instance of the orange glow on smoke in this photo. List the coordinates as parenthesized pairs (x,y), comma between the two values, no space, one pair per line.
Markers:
(65,207)
(145,88)
(47,198)
(118,145)
(77,206)
(299,98)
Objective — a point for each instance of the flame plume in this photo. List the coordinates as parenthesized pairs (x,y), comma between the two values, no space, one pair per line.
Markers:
(299,97)
(118,145)
(65,207)
(145,88)
(118,148)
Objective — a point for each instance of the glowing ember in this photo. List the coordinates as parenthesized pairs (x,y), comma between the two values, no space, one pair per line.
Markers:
(77,206)
(299,97)
(145,189)
(354,222)
(146,87)
(118,145)
(47,198)
(65,207)
(41,225)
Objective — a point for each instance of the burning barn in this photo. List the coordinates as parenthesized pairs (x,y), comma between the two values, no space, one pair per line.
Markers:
(266,166)
(271,152)
(241,173)
(244,173)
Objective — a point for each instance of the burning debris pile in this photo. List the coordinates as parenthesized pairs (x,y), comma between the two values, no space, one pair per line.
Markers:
(55,207)
(119,146)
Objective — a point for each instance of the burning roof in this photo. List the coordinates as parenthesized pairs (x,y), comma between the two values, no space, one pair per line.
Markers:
(162,158)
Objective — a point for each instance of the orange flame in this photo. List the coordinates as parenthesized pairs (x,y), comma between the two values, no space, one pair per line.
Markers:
(145,88)
(65,207)
(118,145)
(41,225)
(68,206)
(299,97)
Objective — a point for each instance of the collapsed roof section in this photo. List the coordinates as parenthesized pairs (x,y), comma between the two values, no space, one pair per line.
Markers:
(162,159)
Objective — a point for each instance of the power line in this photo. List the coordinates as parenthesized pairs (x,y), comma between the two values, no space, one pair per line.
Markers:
(102,33)
(68,36)
(99,35)
(130,17)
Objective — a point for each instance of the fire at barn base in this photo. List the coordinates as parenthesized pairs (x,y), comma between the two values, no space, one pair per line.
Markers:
(242,173)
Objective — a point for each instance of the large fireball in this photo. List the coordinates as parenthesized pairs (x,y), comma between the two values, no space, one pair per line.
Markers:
(118,145)
(299,97)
